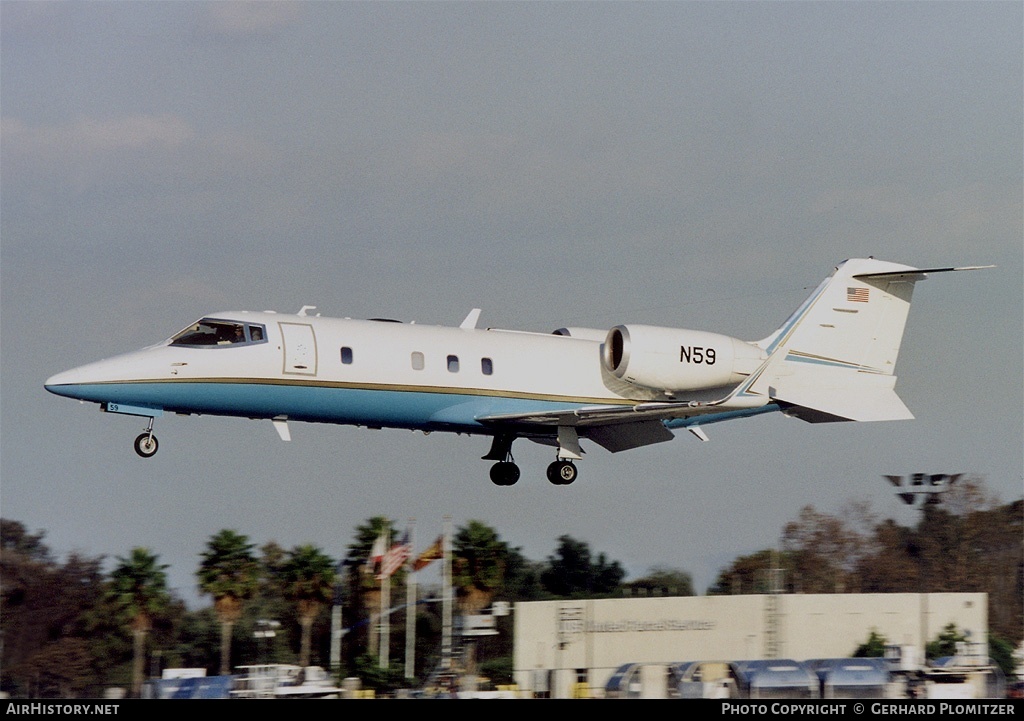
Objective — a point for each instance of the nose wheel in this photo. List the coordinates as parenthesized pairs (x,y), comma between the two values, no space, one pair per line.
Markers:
(562,473)
(146,444)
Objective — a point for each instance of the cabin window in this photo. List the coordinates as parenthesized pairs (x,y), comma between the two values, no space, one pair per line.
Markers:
(417,361)
(209,332)
(486,366)
(346,355)
(453,364)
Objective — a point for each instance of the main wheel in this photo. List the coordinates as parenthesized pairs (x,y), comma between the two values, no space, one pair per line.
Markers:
(504,473)
(146,445)
(562,473)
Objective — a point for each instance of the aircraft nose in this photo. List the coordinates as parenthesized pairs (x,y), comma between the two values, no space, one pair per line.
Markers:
(64,383)
(93,381)
(82,382)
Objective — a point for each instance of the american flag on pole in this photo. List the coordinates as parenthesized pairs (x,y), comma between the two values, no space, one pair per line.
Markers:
(396,557)
(857,295)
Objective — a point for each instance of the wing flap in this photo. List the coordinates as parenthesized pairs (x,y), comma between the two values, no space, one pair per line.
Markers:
(626,436)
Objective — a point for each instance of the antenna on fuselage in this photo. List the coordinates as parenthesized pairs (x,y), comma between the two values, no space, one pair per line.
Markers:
(303,309)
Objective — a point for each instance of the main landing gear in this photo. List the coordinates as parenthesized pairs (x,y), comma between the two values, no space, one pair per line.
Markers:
(506,473)
(146,444)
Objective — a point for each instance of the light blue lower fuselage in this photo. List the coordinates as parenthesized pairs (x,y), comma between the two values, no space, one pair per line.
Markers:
(315,402)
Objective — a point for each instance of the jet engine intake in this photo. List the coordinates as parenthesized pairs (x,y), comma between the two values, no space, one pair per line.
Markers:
(673,359)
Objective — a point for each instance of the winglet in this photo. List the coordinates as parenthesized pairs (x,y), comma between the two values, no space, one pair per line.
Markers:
(471,319)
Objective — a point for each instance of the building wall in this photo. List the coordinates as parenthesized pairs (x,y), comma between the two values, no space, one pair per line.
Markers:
(554,639)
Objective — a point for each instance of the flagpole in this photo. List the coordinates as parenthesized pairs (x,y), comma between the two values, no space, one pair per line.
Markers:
(446,613)
(410,607)
(385,606)
(336,622)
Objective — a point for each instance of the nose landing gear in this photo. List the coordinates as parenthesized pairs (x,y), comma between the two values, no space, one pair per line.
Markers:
(146,444)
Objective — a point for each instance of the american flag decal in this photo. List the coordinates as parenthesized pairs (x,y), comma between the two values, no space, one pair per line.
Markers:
(857,295)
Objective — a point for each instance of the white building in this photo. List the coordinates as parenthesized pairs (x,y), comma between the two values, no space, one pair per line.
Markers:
(559,644)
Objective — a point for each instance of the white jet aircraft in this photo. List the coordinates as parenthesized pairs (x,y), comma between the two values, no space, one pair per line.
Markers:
(630,386)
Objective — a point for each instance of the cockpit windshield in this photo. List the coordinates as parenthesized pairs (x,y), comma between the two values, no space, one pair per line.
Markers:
(211,332)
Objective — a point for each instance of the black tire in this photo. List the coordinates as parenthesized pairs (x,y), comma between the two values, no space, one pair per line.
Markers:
(504,473)
(562,473)
(146,445)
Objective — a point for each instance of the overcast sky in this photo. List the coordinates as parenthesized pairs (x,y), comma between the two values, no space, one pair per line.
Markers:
(686,164)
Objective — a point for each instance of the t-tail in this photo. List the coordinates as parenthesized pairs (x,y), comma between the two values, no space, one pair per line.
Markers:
(834,359)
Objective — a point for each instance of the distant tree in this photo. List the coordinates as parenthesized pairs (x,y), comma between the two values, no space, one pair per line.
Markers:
(754,574)
(138,588)
(1001,652)
(230,573)
(45,612)
(521,580)
(824,550)
(308,577)
(874,647)
(661,581)
(62,669)
(14,537)
(572,572)
(966,543)
(267,607)
(891,566)
(945,644)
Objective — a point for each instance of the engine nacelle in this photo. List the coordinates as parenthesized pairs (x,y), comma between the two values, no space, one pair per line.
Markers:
(673,359)
(583,333)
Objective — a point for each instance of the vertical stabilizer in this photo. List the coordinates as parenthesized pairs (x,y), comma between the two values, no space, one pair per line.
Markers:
(853,321)
(834,359)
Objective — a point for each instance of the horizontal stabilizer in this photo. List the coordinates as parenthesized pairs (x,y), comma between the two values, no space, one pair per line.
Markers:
(918,273)
(860,398)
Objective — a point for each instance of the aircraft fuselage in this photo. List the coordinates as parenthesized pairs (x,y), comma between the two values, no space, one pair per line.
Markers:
(627,387)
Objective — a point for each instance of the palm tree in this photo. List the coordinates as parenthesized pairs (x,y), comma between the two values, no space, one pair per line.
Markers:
(478,565)
(230,573)
(309,582)
(138,588)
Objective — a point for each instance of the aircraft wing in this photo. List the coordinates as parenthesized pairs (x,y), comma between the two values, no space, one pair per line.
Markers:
(600,415)
(614,427)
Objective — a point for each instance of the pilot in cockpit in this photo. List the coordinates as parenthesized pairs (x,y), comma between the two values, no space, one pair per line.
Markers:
(236,335)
